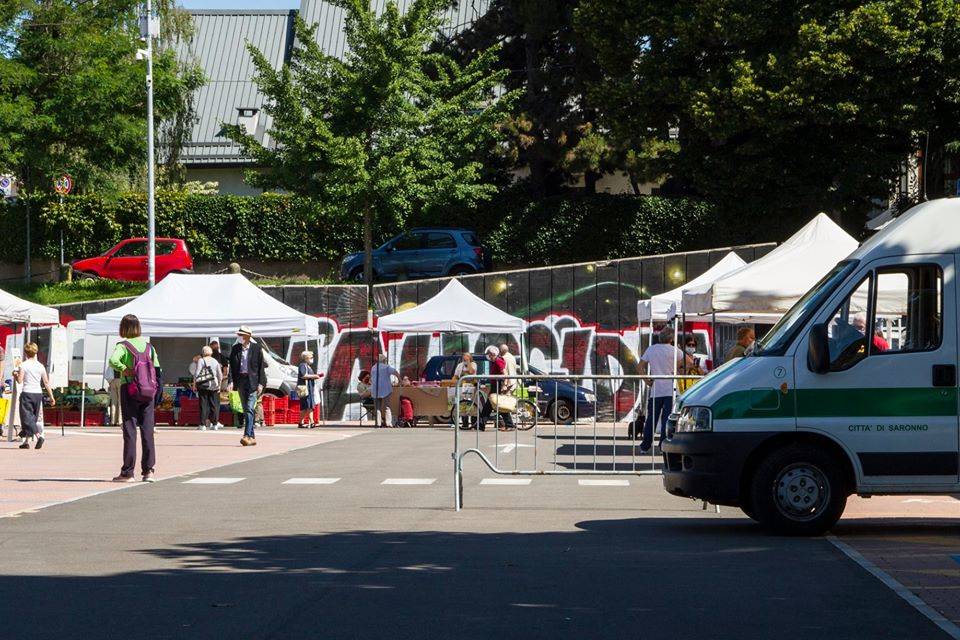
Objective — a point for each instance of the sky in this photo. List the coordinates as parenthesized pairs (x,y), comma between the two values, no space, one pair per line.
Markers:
(240,4)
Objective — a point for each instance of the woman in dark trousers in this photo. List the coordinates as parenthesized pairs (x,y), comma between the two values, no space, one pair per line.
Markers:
(32,377)
(135,413)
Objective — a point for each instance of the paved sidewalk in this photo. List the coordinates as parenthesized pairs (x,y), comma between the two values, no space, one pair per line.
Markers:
(81,463)
(915,540)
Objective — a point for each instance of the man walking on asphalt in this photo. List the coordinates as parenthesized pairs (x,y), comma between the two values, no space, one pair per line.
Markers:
(248,373)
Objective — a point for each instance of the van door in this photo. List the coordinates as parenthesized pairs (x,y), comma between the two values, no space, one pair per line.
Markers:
(890,396)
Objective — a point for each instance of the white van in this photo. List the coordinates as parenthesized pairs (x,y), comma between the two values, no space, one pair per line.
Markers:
(853,391)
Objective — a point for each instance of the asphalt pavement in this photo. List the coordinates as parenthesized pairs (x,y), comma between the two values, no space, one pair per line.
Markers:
(357,538)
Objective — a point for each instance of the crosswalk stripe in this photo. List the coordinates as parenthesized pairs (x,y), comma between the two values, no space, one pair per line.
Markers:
(506,481)
(409,481)
(213,480)
(604,483)
(311,481)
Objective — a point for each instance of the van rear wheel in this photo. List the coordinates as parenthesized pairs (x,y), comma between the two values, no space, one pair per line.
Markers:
(797,490)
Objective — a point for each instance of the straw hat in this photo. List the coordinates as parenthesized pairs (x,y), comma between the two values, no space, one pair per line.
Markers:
(244,330)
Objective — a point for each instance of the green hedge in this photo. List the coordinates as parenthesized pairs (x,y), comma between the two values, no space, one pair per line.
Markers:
(579,228)
(221,228)
(217,227)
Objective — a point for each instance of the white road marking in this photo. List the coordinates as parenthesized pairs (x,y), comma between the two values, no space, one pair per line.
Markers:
(507,448)
(506,481)
(50,429)
(932,614)
(409,481)
(213,480)
(311,481)
(603,483)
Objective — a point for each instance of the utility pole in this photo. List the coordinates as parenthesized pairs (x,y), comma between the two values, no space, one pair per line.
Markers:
(148,30)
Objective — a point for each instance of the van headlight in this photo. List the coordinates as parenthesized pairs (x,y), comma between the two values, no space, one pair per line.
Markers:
(694,419)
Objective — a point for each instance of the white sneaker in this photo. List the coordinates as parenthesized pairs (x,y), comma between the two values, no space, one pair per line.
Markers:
(203,427)
(218,426)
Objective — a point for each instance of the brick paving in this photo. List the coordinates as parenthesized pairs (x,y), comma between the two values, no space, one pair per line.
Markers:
(82,462)
(915,539)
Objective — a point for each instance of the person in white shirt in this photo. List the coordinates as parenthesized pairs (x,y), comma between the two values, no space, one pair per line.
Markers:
(466,367)
(30,374)
(661,359)
(383,377)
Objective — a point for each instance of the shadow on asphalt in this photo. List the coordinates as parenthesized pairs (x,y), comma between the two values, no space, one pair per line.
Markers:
(623,578)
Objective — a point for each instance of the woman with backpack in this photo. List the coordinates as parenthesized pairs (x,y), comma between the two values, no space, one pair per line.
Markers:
(135,361)
(207,376)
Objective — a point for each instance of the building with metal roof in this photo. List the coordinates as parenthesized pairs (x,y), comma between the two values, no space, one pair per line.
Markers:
(219,46)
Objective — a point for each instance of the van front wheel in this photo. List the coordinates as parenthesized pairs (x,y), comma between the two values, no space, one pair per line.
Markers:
(798,490)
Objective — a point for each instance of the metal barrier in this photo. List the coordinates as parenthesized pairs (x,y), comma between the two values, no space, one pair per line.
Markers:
(474,407)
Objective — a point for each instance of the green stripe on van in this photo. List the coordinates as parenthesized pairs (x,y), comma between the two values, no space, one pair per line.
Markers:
(829,403)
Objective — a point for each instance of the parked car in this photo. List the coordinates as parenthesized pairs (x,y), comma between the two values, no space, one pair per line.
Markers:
(128,260)
(424,252)
(559,400)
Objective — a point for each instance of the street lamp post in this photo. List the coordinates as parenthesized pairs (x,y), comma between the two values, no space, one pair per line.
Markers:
(150,29)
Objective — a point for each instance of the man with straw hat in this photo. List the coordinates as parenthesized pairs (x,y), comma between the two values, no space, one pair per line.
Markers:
(249,375)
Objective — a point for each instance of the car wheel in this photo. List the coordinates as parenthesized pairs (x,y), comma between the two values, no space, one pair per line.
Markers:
(456,272)
(357,275)
(85,275)
(798,490)
(561,412)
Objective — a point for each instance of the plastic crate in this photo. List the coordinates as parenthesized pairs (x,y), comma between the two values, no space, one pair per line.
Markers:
(226,418)
(189,403)
(163,417)
(188,418)
(72,418)
(281,404)
(270,418)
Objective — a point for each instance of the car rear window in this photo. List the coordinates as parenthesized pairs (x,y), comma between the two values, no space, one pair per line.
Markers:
(471,239)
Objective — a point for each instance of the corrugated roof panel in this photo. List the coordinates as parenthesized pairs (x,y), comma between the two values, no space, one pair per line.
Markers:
(219,46)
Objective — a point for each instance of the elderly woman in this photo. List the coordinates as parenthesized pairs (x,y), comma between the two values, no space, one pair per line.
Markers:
(207,376)
(306,381)
(467,367)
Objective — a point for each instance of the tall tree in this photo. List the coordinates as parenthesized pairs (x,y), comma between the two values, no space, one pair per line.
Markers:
(553,131)
(393,129)
(72,94)
(799,106)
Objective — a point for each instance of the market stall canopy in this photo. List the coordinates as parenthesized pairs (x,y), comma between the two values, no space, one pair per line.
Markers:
(188,305)
(454,309)
(774,282)
(664,306)
(14,309)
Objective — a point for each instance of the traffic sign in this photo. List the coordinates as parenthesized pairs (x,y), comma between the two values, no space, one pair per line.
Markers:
(6,185)
(63,185)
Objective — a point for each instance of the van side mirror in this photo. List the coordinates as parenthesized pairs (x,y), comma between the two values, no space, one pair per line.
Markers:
(818,349)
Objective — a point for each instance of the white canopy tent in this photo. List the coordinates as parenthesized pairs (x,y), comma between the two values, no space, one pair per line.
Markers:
(189,305)
(453,309)
(774,282)
(14,309)
(664,306)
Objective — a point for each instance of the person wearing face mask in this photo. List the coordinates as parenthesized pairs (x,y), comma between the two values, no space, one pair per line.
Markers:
(745,338)
(306,381)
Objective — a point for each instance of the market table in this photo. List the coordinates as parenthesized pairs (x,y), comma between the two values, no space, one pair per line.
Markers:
(428,401)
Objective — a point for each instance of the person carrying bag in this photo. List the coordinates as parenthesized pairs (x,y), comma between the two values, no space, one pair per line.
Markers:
(206,382)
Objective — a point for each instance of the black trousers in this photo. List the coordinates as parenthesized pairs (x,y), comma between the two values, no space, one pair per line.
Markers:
(209,406)
(30,404)
(137,414)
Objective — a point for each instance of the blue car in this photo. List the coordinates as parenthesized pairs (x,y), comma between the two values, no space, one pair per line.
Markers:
(424,252)
(559,400)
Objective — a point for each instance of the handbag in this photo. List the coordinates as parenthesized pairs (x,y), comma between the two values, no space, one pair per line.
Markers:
(302,391)
(503,403)
(205,377)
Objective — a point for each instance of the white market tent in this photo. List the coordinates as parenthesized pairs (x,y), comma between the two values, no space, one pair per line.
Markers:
(193,305)
(14,309)
(453,309)
(664,306)
(774,282)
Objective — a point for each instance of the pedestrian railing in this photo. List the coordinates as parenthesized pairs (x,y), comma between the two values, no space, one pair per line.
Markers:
(561,425)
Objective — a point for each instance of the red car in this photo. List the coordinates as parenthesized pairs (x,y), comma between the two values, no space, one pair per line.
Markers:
(128,260)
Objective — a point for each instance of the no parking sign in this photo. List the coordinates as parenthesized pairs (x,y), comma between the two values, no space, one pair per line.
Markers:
(6,186)
(63,185)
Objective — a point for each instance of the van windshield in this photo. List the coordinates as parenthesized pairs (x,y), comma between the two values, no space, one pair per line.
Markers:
(781,335)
